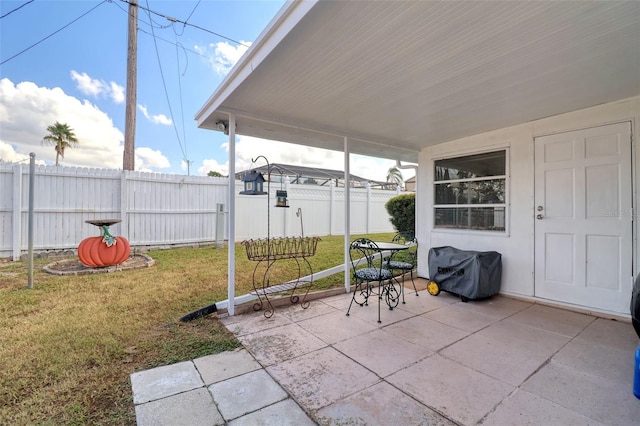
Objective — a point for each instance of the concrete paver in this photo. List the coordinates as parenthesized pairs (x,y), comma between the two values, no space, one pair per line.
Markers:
(463,394)
(526,409)
(225,365)
(381,404)
(246,393)
(192,408)
(164,381)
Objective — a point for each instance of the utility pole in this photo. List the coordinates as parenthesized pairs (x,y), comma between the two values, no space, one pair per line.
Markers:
(128,160)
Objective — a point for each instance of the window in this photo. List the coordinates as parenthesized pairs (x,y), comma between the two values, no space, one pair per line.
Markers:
(470,192)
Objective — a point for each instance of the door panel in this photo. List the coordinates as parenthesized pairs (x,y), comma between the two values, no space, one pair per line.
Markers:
(583,226)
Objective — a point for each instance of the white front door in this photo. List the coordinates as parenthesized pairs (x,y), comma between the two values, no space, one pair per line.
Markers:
(583,210)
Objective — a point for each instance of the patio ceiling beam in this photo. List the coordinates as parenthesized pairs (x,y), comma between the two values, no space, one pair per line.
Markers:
(333,133)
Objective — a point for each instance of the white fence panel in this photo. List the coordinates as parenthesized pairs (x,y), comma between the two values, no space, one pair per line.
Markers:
(164,210)
(6,208)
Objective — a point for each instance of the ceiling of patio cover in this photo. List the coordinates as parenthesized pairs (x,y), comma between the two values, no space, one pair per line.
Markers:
(396,77)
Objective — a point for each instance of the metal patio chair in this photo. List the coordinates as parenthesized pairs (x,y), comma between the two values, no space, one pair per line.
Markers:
(370,276)
(404,261)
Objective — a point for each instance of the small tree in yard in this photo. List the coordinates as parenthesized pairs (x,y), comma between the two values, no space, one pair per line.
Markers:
(62,137)
(402,209)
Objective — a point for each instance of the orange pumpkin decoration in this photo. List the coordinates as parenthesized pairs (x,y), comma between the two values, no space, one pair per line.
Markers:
(105,250)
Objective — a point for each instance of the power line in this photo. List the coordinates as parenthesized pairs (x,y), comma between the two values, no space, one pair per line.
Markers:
(54,33)
(151,23)
(166,92)
(172,19)
(31,1)
(187,20)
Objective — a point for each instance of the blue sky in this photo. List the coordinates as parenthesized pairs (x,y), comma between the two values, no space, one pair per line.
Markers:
(78,76)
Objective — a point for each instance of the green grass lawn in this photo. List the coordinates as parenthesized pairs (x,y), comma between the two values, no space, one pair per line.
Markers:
(69,344)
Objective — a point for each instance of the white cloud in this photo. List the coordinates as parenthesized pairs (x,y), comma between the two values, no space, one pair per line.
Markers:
(222,56)
(148,159)
(117,93)
(9,155)
(212,165)
(26,111)
(280,152)
(96,88)
(155,119)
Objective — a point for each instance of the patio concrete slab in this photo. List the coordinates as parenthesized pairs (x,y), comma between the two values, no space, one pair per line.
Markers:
(245,394)
(381,404)
(461,317)
(192,408)
(602,360)
(598,398)
(323,377)
(610,333)
(253,322)
(526,409)
(576,369)
(451,389)
(497,306)
(370,313)
(426,333)
(426,302)
(316,308)
(553,319)
(332,328)
(530,339)
(382,352)
(164,381)
(280,344)
(499,359)
(225,365)
(283,413)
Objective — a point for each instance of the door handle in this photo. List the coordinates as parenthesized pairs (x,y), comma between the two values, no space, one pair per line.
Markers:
(539,217)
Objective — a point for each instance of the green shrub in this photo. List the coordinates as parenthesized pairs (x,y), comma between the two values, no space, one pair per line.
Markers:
(402,210)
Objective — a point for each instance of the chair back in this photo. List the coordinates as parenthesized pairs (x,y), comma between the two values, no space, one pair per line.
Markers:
(411,254)
(364,253)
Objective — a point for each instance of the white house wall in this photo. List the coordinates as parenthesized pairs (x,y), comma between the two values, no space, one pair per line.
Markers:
(517,245)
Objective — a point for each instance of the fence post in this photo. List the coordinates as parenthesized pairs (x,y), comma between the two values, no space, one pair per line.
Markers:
(331,205)
(17,210)
(367,225)
(287,213)
(219,225)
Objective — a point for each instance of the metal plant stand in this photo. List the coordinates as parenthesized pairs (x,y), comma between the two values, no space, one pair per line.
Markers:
(271,250)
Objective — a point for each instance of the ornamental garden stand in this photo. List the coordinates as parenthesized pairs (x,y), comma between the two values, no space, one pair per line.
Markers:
(267,251)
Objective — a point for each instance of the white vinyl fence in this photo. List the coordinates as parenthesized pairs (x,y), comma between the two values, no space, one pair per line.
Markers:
(161,210)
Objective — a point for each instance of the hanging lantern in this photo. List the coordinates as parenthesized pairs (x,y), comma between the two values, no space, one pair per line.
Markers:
(281,198)
(253,183)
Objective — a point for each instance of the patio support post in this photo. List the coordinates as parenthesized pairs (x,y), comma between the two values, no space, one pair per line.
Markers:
(347,215)
(231,263)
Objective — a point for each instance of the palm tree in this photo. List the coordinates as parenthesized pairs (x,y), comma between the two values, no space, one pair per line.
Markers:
(394,175)
(62,137)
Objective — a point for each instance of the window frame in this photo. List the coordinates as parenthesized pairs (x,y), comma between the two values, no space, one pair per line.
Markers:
(505,204)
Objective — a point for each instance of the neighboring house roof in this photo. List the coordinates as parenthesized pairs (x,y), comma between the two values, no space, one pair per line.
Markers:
(299,174)
(395,77)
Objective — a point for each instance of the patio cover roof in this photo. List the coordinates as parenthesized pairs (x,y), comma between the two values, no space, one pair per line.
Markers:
(395,77)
